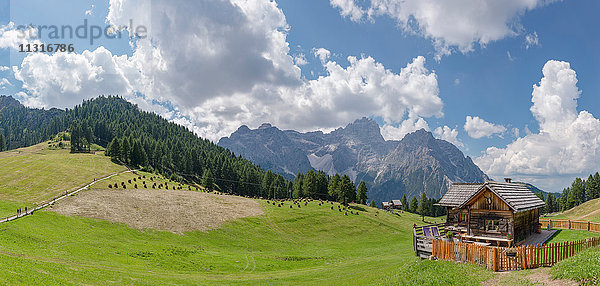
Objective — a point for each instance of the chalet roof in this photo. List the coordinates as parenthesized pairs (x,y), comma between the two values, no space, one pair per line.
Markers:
(516,195)
(396,202)
(458,194)
(385,204)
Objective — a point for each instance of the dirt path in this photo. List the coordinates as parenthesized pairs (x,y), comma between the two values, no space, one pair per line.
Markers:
(56,199)
(540,276)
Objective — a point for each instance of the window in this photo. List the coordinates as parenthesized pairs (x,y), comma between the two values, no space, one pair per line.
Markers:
(464,217)
(492,225)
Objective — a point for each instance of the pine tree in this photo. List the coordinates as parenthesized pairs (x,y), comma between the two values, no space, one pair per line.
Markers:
(114,150)
(372,204)
(361,193)
(2,142)
(309,184)
(423,208)
(208,180)
(594,186)
(404,203)
(298,182)
(414,203)
(543,209)
(333,187)
(347,190)
(125,150)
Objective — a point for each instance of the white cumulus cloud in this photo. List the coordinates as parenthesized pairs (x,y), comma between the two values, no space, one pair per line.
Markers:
(448,134)
(568,142)
(322,54)
(221,64)
(450,25)
(478,128)
(390,132)
(348,9)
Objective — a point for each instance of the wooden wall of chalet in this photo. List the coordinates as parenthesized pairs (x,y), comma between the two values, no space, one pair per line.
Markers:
(489,207)
(487,200)
(526,223)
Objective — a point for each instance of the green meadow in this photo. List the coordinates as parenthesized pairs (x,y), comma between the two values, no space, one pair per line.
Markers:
(311,245)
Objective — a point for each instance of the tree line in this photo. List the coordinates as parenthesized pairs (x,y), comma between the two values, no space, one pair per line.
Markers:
(580,191)
(424,206)
(318,185)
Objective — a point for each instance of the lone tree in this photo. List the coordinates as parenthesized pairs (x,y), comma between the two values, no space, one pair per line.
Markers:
(207,180)
(2,142)
(361,193)
(423,207)
(347,190)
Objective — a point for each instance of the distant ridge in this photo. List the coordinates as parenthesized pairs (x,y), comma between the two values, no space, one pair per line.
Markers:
(417,163)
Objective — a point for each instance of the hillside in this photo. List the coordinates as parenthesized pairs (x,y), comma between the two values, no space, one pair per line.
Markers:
(37,173)
(417,163)
(169,148)
(589,210)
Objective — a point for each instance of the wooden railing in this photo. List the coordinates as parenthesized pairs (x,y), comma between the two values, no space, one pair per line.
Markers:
(497,259)
(571,224)
(422,244)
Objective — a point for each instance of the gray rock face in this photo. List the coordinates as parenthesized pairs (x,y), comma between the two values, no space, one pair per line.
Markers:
(417,163)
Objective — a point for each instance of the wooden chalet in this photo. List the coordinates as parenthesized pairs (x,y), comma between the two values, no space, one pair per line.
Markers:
(385,205)
(396,204)
(499,213)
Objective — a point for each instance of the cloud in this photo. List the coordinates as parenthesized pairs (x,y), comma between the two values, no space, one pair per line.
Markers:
(515,132)
(390,132)
(4,68)
(217,71)
(568,142)
(531,40)
(510,57)
(90,11)
(478,128)
(348,9)
(450,25)
(322,54)
(300,59)
(11,37)
(448,134)
(65,79)
(4,82)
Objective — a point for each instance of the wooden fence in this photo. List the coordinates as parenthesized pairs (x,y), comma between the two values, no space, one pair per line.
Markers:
(571,224)
(496,258)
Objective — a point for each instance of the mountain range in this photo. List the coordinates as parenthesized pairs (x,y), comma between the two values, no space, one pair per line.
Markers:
(391,168)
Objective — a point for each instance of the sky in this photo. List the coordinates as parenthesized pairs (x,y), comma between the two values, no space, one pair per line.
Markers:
(513,84)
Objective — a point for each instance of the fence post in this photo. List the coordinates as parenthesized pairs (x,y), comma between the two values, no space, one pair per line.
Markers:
(495,259)
(588,225)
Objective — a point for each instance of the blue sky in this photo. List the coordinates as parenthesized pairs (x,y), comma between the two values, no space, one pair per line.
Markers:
(465,73)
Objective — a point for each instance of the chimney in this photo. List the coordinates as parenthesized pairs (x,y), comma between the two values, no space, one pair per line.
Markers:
(508,180)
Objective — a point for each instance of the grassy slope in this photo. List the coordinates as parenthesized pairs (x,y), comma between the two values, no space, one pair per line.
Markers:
(289,246)
(310,245)
(34,174)
(589,210)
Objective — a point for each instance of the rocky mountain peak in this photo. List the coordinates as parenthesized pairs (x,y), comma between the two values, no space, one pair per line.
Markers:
(364,129)
(265,126)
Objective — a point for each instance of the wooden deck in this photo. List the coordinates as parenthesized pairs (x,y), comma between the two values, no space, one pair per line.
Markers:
(537,238)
